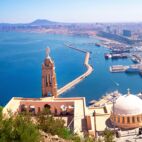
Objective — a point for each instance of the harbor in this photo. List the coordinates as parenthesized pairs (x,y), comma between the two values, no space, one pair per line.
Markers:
(69,66)
(124,51)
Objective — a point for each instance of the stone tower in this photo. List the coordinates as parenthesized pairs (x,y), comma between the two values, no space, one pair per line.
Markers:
(49,85)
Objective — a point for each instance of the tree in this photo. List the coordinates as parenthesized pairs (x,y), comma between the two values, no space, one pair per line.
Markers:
(21,128)
(47,123)
(18,129)
(108,135)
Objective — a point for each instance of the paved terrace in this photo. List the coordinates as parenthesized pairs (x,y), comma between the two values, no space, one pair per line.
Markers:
(81,77)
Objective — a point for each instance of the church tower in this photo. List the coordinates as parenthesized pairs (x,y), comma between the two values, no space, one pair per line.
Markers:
(49,85)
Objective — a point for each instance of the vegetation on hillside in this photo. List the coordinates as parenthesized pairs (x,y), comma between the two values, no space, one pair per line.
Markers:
(22,128)
(47,123)
(108,135)
(26,128)
(18,129)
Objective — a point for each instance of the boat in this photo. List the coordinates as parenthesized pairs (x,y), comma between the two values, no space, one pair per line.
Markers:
(107,56)
(124,56)
(92,102)
(115,56)
(118,68)
(132,70)
(134,60)
(97,44)
(119,56)
(140,73)
(118,51)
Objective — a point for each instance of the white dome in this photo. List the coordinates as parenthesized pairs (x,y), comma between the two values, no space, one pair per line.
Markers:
(128,105)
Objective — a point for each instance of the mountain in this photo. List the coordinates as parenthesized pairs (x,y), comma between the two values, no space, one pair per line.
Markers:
(42,22)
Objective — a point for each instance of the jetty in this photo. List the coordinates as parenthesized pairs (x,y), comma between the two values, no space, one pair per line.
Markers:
(72,46)
(81,77)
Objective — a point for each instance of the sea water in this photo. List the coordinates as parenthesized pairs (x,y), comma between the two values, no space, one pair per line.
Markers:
(22,55)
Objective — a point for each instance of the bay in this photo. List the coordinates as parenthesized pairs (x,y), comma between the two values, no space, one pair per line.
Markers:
(22,54)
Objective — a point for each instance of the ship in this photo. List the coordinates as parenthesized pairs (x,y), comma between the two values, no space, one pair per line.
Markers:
(97,44)
(118,68)
(123,55)
(114,56)
(119,51)
(107,56)
(117,56)
(140,73)
(134,60)
(132,70)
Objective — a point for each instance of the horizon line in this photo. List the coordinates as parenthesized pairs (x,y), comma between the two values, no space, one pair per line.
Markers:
(112,22)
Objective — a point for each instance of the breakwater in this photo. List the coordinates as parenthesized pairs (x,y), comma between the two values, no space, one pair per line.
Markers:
(81,77)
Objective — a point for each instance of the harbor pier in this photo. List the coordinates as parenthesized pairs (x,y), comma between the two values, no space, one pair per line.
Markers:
(81,77)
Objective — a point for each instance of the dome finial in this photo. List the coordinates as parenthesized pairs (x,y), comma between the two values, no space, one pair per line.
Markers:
(128,91)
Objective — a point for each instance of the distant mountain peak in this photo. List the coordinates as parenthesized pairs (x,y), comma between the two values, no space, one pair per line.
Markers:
(42,22)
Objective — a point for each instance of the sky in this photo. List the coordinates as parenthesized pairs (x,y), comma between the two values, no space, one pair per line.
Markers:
(86,11)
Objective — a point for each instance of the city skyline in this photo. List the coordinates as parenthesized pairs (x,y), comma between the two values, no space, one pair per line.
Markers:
(80,11)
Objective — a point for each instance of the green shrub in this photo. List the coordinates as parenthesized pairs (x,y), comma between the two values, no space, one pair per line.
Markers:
(48,124)
(108,135)
(18,129)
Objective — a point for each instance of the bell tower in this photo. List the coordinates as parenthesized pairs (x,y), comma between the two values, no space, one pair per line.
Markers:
(49,85)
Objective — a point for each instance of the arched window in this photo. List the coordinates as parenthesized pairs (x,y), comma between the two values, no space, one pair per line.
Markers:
(23,108)
(123,119)
(32,109)
(47,106)
(118,119)
(133,119)
(46,109)
(128,120)
(138,119)
(113,117)
(39,110)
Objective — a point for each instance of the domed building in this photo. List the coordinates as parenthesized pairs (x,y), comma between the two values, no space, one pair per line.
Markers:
(127,112)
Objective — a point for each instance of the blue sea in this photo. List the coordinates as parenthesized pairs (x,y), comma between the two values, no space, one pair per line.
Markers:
(22,54)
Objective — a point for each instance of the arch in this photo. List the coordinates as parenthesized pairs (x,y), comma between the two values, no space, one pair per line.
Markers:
(55,111)
(32,109)
(23,108)
(119,119)
(133,119)
(47,106)
(46,109)
(128,120)
(138,119)
(123,119)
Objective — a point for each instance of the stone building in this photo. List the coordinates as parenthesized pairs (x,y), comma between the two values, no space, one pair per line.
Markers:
(49,84)
(127,112)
